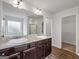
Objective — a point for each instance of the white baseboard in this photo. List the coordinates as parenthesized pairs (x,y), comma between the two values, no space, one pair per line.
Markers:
(78,54)
(56,45)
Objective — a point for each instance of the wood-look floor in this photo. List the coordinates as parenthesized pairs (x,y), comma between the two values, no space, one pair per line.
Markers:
(61,54)
(69,47)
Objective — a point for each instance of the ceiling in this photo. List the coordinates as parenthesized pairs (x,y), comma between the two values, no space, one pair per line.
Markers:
(51,6)
(8,8)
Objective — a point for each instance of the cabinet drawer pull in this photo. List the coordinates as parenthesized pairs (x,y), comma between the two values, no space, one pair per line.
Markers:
(16,54)
(29,49)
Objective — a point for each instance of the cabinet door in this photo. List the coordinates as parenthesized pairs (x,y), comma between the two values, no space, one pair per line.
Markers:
(7,52)
(40,52)
(47,48)
(30,53)
(15,56)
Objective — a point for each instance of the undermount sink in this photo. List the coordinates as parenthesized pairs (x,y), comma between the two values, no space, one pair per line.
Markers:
(17,40)
(42,37)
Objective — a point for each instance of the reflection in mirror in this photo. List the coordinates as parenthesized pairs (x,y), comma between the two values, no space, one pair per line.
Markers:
(14,22)
(20,22)
(9,25)
(35,24)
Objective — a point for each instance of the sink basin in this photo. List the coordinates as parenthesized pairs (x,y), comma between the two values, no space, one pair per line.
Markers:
(17,40)
(42,37)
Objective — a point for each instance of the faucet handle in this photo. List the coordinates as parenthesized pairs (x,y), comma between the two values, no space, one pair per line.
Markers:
(2,36)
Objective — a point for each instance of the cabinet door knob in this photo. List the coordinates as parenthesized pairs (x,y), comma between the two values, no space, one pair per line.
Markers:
(18,56)
(3,54)
(24,54)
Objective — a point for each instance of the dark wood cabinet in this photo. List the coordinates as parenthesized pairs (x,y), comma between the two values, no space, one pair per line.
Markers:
(7,52)
(47,48)
(15,56)
(40,52)
(30,53)
(34,50)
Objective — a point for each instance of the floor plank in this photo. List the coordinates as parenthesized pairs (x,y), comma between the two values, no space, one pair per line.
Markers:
(61,54)
(69,47)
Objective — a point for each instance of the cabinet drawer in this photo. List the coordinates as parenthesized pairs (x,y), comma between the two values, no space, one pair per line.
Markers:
(2,52)
(46,41)
(21,48)
(39,43)
(7,52)
(32,45)
(15,56)
(30,53)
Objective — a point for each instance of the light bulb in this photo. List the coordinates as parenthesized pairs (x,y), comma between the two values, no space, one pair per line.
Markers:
(15,5)
(20,5)
(15,2)
(37,11)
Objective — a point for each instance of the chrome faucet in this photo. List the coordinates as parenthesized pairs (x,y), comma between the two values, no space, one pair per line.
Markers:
(2,36)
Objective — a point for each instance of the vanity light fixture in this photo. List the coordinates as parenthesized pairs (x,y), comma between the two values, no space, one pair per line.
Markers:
(37,11)
(18,3)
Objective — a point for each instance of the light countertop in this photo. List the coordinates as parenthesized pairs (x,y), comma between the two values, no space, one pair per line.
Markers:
(24,40)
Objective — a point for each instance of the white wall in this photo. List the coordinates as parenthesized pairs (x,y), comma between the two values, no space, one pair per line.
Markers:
(48,27)
(0,15)
(77,32)
(57,23)
(69,29)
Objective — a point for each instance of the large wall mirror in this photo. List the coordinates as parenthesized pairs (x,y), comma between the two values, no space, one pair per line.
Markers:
(12,26)
(19,22)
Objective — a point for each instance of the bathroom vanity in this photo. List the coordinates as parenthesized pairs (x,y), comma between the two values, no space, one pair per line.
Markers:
(33,48)
(20,22)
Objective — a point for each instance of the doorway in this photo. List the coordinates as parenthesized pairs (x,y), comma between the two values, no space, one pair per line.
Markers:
(69,33)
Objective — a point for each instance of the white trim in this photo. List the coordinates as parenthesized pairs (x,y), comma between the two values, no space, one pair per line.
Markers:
(78,54)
